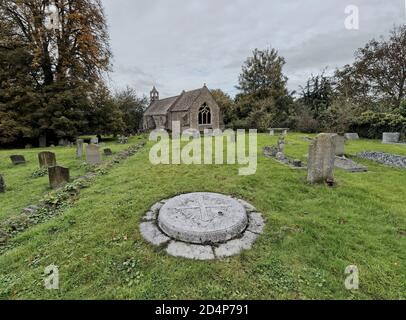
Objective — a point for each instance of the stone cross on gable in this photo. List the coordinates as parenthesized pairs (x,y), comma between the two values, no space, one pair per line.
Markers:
(205,214)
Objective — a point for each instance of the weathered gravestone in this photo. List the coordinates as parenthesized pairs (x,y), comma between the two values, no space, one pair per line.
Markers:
(93,154)
(2,184)
(17,159)
(28,146)
(340,145)
(321,159)
(108,152)
(42,141)
(79,148)
(351,136)
(47,159)
(63,142)
(94,141)
(58,176)
(391,137)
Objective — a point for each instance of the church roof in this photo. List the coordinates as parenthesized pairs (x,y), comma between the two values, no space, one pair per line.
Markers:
(178,103)
(160,107)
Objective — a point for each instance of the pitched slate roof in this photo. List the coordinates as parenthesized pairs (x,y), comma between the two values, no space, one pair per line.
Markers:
(160,107)
(178,103)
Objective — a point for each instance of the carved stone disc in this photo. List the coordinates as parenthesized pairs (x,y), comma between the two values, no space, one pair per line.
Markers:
(203,218)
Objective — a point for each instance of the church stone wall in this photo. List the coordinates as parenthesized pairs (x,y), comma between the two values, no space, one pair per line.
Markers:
(216,121)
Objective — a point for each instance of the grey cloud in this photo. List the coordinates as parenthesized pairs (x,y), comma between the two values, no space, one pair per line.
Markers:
(181,44)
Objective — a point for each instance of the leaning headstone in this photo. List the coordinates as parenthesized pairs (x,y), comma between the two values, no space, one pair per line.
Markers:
(47,159)
(391,137)
(94,141)
(93,154)
(79,148)
(58,176)
(2,184)
(42,141)
(108,152)
(17,159)
(340,145)
(351,136)
(321,159)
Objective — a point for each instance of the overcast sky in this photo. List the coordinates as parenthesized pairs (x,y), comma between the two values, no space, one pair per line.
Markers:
(182,44)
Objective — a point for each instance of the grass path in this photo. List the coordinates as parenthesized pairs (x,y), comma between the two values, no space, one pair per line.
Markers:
(312,234)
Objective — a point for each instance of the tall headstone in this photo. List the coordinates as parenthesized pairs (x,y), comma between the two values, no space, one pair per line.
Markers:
(93,154)
(42,141)
(47,159)
(58,176)
(2,184)
(340,145)
(79,148)
(321,159)
(17,159)
(391,137)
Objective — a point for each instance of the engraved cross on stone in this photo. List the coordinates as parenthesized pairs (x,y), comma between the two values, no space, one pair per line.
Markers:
(204,212)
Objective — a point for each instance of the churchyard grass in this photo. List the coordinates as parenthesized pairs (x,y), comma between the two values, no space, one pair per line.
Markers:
(312,232)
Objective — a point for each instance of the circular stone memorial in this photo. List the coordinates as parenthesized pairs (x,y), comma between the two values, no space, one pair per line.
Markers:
(202,226)
(203,218)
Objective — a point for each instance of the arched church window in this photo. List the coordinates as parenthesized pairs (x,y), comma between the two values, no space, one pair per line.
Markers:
(204,115)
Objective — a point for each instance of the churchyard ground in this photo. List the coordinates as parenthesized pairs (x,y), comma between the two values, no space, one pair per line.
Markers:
(312,232)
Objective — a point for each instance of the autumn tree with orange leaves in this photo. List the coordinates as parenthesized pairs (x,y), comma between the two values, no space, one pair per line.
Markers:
(53,57)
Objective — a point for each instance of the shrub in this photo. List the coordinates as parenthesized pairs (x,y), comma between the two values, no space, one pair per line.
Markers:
(371,124)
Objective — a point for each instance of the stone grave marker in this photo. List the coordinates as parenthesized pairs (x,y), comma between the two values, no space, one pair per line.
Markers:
(94,141)
(351,136)
(2,184)
(93,154)
(17,159)
(108,152)
(390,137)
(42,141)
(79,148)
(58,176)
(340,145)
(349,165)
(47,159)
(63,142)
(321,159)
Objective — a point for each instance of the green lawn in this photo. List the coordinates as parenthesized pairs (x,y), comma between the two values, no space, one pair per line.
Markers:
(312,232)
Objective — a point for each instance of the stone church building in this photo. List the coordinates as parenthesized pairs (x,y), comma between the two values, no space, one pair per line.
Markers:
(194,109)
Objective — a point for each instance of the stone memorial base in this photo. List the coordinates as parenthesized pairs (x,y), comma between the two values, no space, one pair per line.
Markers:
(349,165)
(202,226)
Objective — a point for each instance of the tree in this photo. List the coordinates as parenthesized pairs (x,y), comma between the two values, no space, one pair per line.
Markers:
(63,53)
(132,108)
(225,103)
(264,91)
(378,75)
(105,115)
(262,75)
(318,94)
